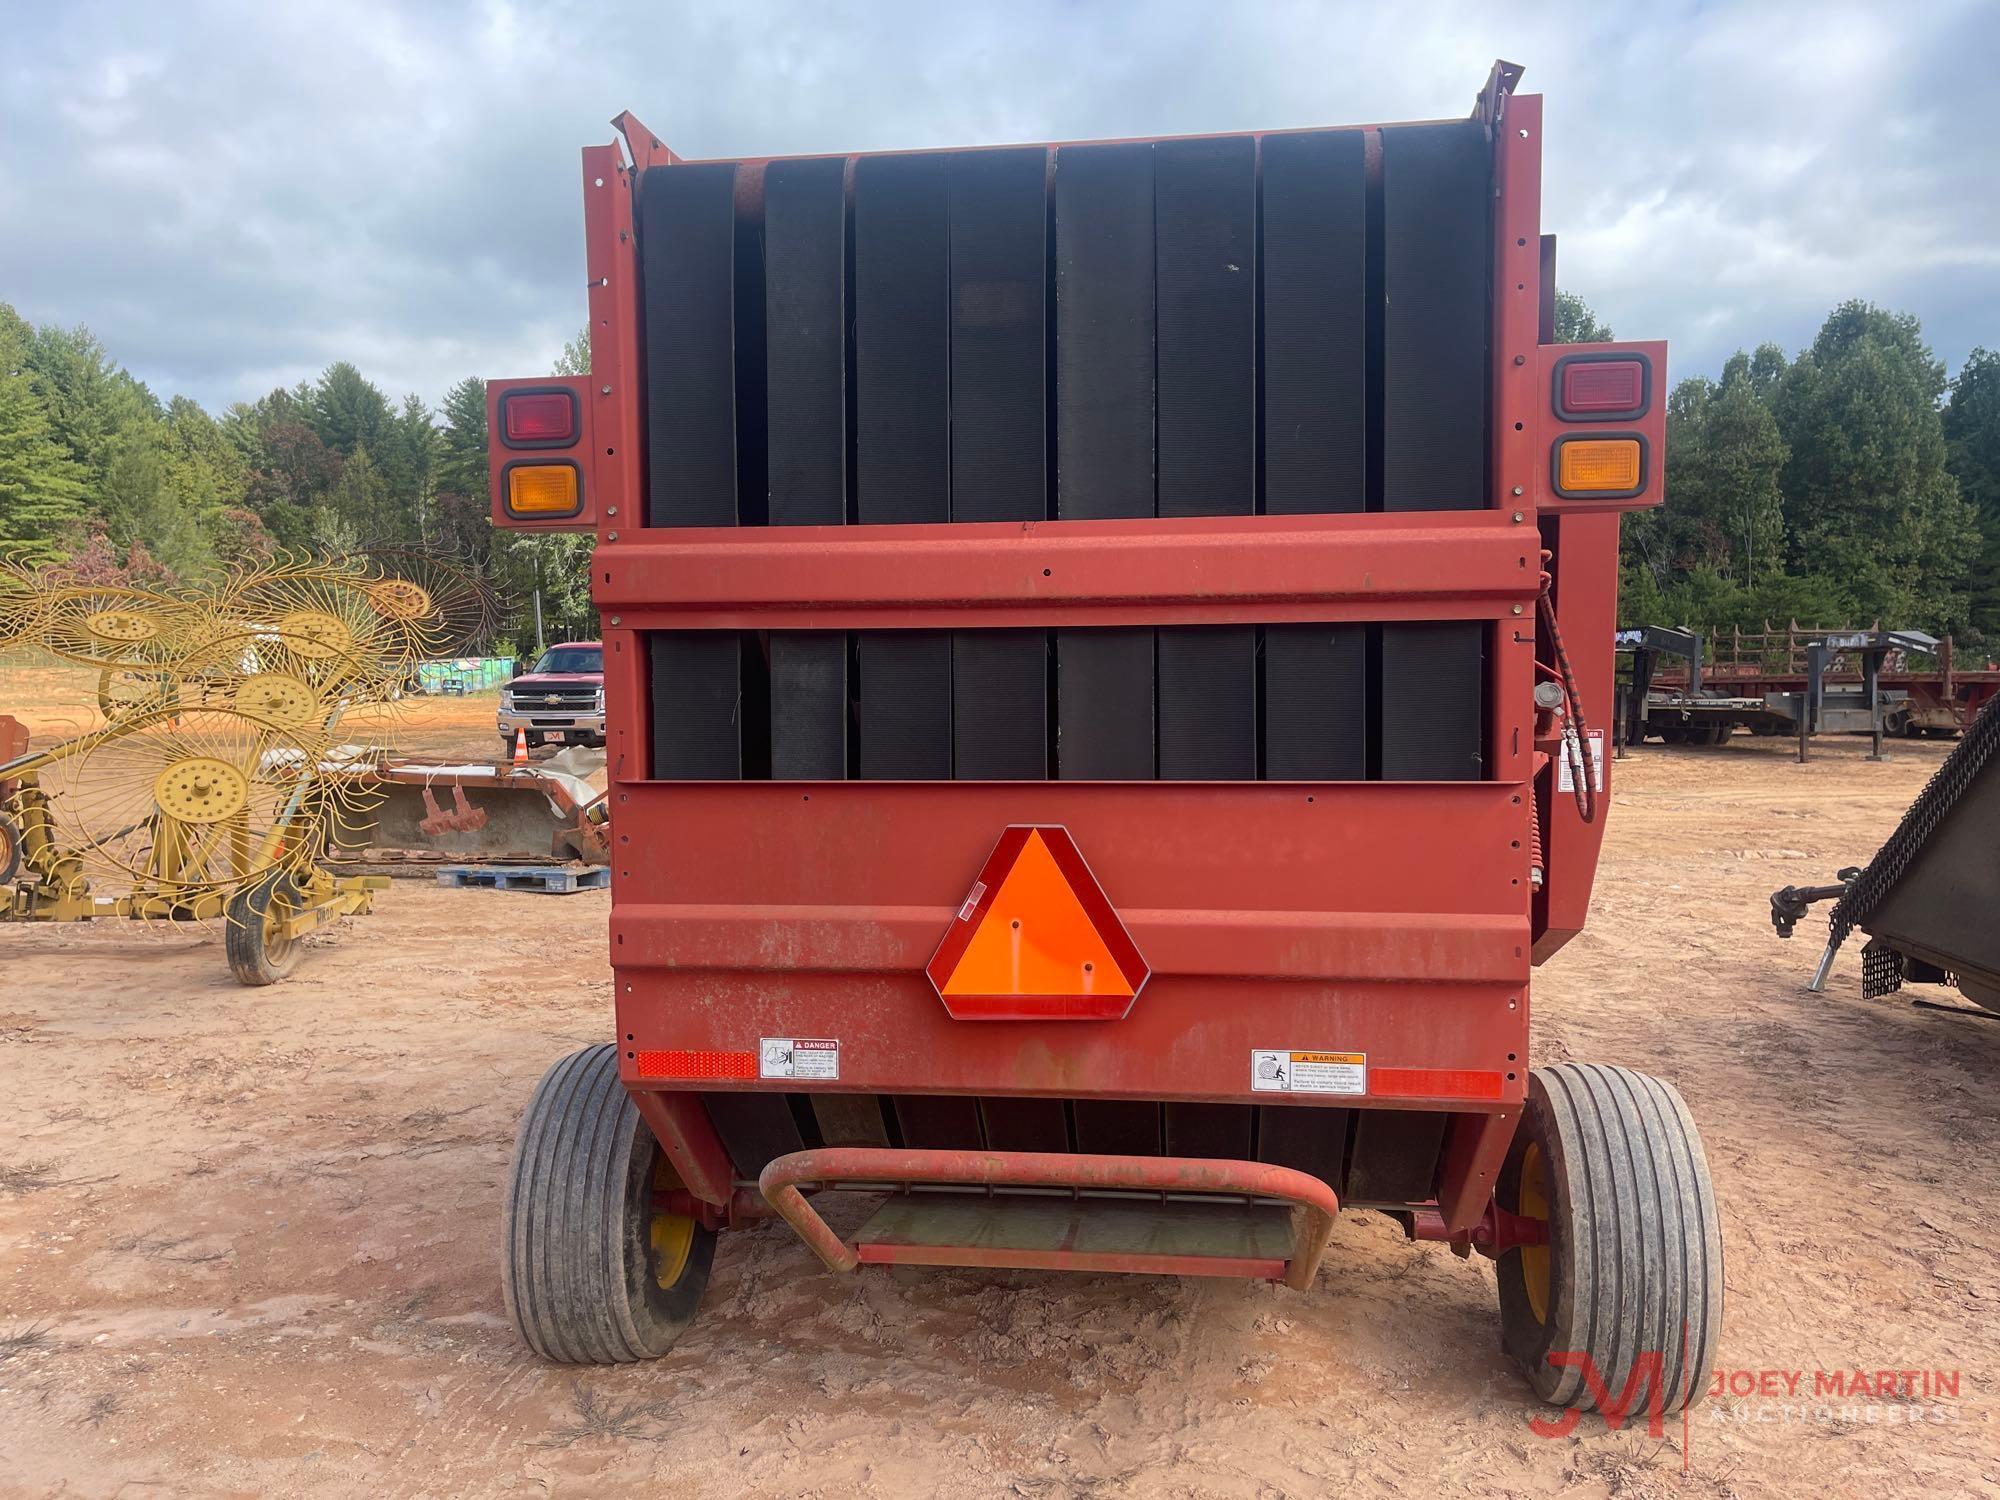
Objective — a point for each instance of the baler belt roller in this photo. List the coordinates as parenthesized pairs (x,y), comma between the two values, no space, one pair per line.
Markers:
(874,1166)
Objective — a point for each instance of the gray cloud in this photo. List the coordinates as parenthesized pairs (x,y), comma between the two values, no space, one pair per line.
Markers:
(233,196)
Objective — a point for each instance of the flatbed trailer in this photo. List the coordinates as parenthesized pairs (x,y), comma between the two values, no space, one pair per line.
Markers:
(1093,758)
(1797,682)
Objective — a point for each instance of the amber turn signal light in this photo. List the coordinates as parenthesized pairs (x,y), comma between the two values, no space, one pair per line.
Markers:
(544,490)
(1600,466)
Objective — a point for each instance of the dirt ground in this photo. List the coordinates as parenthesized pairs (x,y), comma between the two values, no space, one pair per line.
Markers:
(249,1238)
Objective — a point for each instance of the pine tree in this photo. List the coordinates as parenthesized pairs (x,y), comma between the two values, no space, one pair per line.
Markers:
(41,490)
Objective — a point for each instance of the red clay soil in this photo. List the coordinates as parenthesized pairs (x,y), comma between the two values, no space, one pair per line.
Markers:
(249,1238)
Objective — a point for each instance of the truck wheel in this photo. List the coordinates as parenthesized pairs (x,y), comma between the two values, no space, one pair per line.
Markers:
(259,949)
(590,1273)
(1633,1265)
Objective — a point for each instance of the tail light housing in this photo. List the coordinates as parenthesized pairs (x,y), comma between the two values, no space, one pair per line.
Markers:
(542,461)
(1605,427)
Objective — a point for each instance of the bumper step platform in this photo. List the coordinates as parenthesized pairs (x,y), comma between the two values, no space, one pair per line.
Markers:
(1252,1240)
(1197,1216)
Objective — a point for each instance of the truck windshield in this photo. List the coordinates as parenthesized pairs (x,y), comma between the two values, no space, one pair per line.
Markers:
(572,659)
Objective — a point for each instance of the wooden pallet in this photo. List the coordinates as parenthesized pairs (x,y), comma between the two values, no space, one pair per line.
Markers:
(547,879)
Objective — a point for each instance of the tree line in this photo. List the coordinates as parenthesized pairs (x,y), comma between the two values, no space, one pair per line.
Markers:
(98,473)
(1849,483)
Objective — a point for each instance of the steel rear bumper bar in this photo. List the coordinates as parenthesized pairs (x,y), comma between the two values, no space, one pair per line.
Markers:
(876,1166)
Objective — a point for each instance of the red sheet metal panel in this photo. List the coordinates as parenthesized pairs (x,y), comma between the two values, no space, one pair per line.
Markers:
(1197,570)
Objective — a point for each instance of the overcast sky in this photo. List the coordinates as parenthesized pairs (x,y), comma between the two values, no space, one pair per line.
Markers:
(234,195)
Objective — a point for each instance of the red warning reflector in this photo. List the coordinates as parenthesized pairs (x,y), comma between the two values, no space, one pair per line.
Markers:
(680,1062)
(1436,1083)
(1036,939)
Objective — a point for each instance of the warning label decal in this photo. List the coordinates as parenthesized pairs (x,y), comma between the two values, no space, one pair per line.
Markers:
(798,1057)
(1565,768)
(1309,1072)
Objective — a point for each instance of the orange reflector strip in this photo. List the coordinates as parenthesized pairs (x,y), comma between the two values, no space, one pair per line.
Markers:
(542,490)
(1594,464)
(679,1062)
(1436,1083)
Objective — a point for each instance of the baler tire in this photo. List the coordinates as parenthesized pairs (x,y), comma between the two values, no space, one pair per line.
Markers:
(253,958)
(1633,1265)
(584,1261)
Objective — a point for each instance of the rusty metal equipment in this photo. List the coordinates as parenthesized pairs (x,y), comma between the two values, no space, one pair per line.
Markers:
(1093,755)
(422,812)
(1928,898)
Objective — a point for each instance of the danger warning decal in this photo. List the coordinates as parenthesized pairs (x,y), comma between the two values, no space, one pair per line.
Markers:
(798,1057)
(1309,1072)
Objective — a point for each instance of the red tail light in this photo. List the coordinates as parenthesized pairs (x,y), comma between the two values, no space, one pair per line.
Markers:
(538,419)
(1596,387)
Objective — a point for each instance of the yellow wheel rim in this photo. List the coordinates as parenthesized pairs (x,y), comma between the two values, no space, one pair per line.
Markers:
(399,599)
(672,1234)
(1534,1204)
(201,790)
(279,697)
(120,625)
(314,634)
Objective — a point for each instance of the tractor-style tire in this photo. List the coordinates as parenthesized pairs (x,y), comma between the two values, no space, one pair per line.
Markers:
(1633,1265)
(258,954)
(10,848)
(590,1273)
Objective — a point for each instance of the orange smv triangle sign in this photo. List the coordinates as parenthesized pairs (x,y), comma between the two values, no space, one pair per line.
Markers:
(1037,939)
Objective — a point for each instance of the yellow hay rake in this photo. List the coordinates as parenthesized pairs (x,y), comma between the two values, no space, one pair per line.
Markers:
(216,781)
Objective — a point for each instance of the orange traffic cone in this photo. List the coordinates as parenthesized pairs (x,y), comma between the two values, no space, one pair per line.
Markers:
(520,747)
